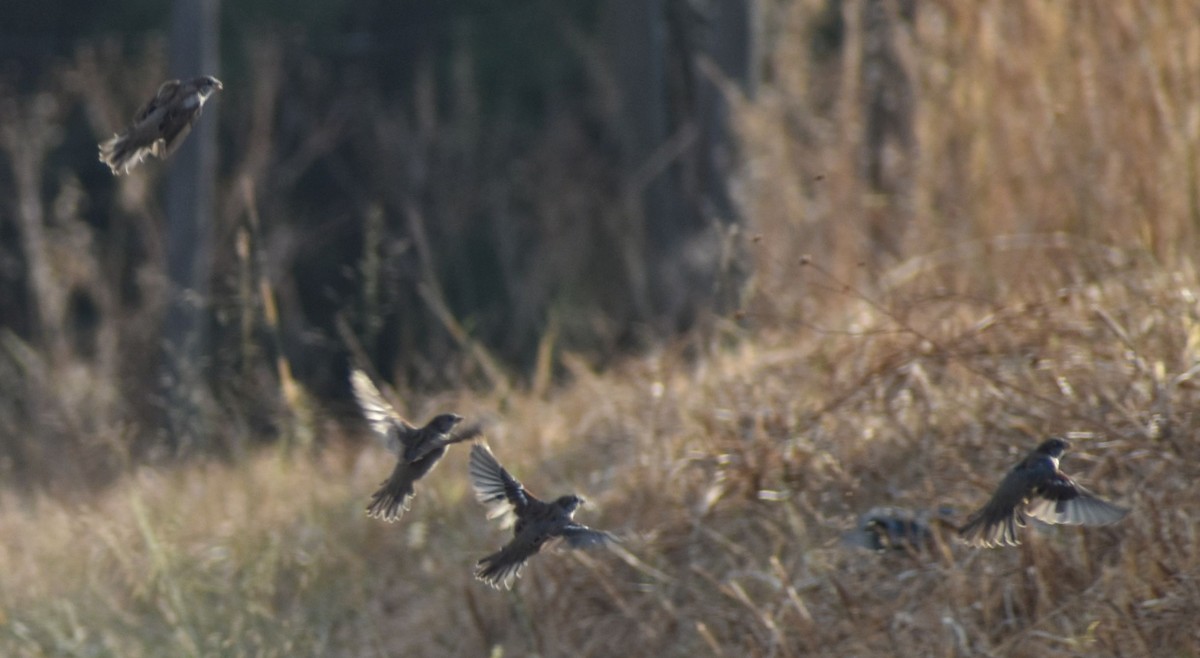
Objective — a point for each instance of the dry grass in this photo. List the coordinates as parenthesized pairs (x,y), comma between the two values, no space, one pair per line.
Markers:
(1047,286)
(730,477)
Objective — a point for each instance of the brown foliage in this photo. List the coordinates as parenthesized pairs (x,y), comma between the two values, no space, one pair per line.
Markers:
(1046,284)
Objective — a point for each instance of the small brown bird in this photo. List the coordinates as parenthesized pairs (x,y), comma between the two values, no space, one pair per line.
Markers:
(417,449)
(1037,488)
(536,522)
(160,125)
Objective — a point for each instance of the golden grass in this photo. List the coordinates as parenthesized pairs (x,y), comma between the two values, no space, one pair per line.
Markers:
(274,556)
(729,475)
(1047,285)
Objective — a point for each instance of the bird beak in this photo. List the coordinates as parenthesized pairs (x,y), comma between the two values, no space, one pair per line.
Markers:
(217,84)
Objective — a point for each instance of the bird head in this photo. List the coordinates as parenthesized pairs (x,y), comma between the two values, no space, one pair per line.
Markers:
(568,503)
(1054,447)
(206,85)
(443,423)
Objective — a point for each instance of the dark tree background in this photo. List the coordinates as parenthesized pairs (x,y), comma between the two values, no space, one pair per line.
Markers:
(440,192)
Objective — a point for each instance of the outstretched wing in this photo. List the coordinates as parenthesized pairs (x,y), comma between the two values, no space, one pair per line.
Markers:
(577,535)
(388,425)
(1062,501)
(495,487)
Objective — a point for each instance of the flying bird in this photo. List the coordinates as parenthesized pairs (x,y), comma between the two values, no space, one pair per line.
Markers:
(534,522)
(1036,488)
(160,125)
(892,528)
(417,449)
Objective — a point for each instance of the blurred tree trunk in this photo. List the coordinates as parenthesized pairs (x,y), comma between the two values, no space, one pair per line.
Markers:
(888,103)
(671,62)
(636,32)
(725,49)
(190,188)
(723,53)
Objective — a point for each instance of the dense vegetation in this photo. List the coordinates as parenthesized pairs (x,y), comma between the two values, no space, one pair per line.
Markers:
(1038,277)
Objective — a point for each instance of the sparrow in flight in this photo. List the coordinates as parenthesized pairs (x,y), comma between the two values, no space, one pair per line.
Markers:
(892,528)
(417,449)
(534,522)
(160,125)
(1036,487)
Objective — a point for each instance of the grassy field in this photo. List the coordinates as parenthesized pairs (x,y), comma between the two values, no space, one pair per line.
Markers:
(1046,284)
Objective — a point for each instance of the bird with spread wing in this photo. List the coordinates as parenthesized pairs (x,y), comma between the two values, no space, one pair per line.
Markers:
(417,449)
(1035,487)
(534,522)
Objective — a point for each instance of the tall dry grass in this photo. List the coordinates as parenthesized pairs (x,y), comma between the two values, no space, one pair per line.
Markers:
(1046,284)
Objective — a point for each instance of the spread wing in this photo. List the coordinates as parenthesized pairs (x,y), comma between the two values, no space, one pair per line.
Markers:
(495,487)
(1062,501)
(577,535)
(388,425)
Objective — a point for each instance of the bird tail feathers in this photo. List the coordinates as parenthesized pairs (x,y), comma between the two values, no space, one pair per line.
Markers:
(121,156)
(390,502)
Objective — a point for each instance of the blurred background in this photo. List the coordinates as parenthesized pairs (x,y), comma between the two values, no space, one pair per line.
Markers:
(431,191)
(740,269)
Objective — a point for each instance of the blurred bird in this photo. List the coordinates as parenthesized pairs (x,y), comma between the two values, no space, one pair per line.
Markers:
(535,522)
(160,125)
(892,528)
(1035,487)
(417,449)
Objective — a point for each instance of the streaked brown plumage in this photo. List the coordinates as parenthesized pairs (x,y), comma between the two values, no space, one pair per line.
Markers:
(160,125)
(417,449)
(1036,487)
(534,522)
